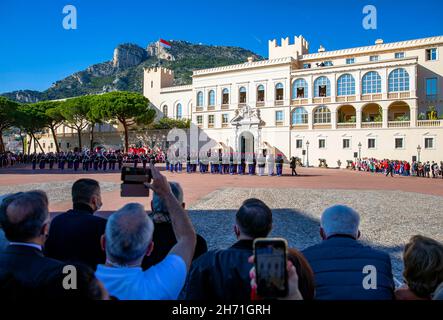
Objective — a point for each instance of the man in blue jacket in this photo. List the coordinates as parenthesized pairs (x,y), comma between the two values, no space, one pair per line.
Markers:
(344,268)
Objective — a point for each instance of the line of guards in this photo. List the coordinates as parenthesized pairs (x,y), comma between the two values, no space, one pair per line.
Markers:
(229,164)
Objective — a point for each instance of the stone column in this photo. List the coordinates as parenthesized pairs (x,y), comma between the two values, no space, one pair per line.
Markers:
(358,117)
(385,117)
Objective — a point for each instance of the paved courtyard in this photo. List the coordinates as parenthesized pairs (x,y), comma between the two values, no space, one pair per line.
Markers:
(392,209)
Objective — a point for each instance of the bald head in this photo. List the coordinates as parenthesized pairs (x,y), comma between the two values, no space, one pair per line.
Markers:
(340,220)
(128,234)
(23,215)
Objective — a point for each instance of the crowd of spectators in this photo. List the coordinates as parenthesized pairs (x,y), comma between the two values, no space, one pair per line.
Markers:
(158,255)
(426,169)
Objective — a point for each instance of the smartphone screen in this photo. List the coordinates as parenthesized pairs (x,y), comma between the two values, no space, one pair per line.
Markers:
(270,267)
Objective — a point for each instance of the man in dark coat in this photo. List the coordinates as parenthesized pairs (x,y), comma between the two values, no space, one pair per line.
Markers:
(344,268)
(75,235)
(224,274)
(23,267)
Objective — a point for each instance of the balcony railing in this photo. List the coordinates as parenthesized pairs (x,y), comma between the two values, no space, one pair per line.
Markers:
(210,125)
(371,125)
(399,95)
(299,101)
(225,125)
(430,123)
(371,97)
(346,125)
(399,124)
(279,102)
(210,108)
(241,104)
(198,109)
(345,98)
(322,100)
(260,104)
(225,106)
(300,126)
(279,123)
(322,126)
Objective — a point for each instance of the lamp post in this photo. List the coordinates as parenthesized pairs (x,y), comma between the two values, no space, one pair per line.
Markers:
(307,154)
(359,151)
(418,152)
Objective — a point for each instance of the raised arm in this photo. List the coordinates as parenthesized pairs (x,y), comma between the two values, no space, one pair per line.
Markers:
(181,223)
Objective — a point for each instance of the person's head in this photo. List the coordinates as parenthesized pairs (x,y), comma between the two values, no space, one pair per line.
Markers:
(128,236)
(24,217)
(306,283)
(339,220)
(253,220)
(423,265)
(87,191)
(157,203)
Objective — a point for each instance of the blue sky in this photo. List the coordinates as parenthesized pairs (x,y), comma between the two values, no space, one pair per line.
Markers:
(36,50)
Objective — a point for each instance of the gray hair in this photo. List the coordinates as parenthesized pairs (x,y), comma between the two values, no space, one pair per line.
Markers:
(158,205)
(340,219)
(128,234)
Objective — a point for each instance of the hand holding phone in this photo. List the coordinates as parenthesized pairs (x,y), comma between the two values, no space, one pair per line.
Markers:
(280,283)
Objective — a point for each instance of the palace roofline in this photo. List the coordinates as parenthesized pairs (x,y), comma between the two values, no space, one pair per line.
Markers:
(376,47)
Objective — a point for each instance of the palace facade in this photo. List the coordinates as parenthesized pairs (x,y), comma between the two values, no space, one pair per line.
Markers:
(381,101)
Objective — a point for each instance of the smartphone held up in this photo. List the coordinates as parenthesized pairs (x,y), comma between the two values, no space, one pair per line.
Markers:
(271,267)
(133,182)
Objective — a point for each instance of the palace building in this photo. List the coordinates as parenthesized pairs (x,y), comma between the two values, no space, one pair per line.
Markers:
(383,101)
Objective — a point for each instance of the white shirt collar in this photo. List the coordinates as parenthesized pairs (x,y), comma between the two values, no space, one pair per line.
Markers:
(26,244)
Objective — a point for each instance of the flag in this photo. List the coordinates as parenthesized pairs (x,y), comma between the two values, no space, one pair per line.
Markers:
(164,43)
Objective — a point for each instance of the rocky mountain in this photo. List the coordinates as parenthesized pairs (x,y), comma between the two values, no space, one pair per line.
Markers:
(125,70)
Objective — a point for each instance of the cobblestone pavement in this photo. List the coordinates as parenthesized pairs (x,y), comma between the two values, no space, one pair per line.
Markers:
(388,218)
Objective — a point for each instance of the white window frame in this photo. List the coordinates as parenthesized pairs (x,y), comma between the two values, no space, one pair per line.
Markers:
(403,142)
(433,142)
(318,143)
(436,54)
(296,140)
(342,143)
(375,143)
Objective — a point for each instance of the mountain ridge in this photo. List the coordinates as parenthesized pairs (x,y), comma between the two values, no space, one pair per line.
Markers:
(125,71)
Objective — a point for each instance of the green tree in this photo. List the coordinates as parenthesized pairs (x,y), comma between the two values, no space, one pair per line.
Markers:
(170,123)
(8,110)
(30,119)
(129,108)
(75,113)
(49,112)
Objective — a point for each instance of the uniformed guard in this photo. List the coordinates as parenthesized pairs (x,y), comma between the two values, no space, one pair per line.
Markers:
(51,161)
(85,162)
(144,161)
(279,165)
(105,161)
(270,164)
(76,161)
(34,162)
(261,163)
(120,161)
(62,161)
(188,163)
(96,161)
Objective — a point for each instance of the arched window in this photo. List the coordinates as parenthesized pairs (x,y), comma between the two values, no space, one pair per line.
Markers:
(199,99)
(371,83)
(260,93)
(211,98)
(179,110)
(322,87)
(345,85)
(225,96)
(279,91)
(398,80)
(322,115)
(299,116)
(165,110)
(242,95)
(299,89)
